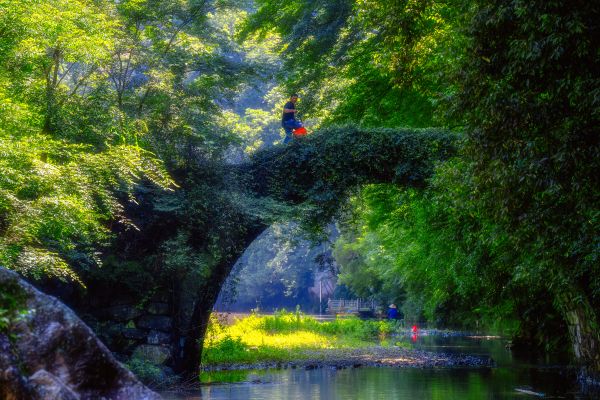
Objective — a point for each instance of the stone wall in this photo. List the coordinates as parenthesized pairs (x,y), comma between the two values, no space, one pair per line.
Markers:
(134,331)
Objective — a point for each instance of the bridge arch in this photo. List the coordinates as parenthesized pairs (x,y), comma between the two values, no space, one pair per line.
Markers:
(308,180)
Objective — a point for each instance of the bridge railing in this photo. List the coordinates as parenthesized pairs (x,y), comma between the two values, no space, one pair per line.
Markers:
(354,306)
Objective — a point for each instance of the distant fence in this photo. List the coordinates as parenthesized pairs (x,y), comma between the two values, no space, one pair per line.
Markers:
(356,306)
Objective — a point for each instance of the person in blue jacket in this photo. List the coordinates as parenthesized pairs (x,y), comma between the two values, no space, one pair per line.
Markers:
(288,118)
(392,312)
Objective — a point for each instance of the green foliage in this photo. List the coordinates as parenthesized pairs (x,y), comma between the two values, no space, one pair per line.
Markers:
(12,305)
(286,336)
(530,97)
(87,88)
(534,135)
(376,63)
(350,328)
(425,250)
(174,63)
(55,52)
(323,169)
(147,372)
(234,376)
(228,349)
(67,193)
(63,175)
(507,233)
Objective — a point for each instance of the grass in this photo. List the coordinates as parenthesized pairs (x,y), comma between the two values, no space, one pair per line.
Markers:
(286,337)
(223,376)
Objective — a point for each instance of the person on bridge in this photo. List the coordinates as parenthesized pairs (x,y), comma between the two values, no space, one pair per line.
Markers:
(288,119)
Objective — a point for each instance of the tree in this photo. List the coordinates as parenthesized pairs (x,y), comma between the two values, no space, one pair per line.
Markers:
(61,182)
(377,63)
(60,45)
(530,97)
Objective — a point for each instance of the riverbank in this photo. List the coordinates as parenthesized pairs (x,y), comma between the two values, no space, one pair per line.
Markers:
(374,356)
(356,360)
(292,340)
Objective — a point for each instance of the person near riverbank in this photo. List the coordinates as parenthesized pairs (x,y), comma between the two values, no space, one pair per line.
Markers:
(392,312)
(288,118)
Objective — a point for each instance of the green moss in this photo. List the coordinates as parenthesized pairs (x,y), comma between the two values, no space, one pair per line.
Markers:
(151,374)
(144,370)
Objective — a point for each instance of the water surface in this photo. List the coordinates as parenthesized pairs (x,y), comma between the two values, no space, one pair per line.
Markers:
(517,376)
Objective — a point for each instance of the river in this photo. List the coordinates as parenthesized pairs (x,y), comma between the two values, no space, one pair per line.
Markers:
(516,376)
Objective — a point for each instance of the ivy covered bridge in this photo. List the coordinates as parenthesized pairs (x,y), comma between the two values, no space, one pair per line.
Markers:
(309,180)
(219,211)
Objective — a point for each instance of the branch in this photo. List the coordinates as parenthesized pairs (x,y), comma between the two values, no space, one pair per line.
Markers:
(192,17)
(77,86)
(66,73)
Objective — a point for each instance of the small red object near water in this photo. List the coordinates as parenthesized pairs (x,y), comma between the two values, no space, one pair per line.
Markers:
(300,131)
(414,329)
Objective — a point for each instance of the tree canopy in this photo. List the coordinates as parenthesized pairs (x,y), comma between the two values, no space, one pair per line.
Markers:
(455,143)
(514,217)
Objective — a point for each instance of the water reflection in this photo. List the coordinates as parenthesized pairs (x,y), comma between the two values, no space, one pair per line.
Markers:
(514,378)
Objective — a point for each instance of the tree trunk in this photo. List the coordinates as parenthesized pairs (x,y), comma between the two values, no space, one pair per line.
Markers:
(584,331)
(51,85)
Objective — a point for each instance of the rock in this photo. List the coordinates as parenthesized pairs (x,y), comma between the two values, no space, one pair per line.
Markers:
(61,353)
(153,354)
(158,308)
(157,323)
(49,387)
(108,332)
(589,382)
(133,333)
(122,312)
(156,337)
(13,385)
(104,297)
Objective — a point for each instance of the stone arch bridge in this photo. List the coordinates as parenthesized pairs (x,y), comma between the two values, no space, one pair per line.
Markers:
(308,180)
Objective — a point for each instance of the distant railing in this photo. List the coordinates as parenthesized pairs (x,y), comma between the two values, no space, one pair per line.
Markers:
(350,306)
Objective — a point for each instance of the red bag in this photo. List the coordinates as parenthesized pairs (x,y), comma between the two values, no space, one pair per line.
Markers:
(300,131)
